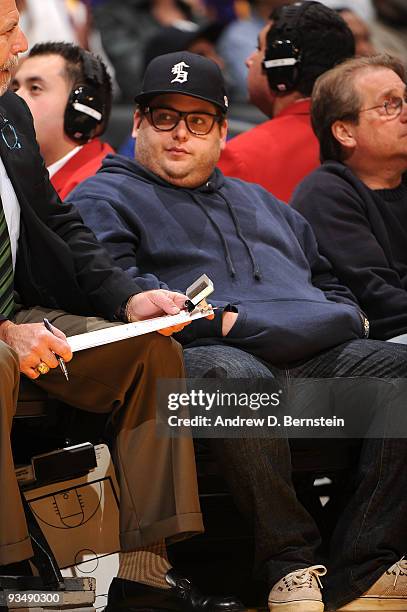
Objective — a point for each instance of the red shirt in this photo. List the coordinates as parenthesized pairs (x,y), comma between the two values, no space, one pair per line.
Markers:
(277,154)
(81,166)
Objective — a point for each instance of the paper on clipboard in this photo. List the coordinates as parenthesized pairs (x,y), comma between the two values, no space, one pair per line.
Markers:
(129,330)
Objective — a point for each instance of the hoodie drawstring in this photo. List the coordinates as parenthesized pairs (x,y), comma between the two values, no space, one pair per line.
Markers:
(229,261)
(256,269)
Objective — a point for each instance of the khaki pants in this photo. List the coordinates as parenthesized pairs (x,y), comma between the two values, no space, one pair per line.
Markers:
(157,476)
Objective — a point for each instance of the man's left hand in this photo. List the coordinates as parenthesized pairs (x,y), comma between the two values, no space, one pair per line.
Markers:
(155,303)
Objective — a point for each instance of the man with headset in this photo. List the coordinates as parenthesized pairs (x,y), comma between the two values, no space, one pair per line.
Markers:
(298,44)
(69,93)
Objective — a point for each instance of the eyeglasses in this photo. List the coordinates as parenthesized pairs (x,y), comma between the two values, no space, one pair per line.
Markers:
(166,119)
(392,107)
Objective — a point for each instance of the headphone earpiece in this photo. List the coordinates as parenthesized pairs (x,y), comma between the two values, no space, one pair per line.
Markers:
(282,62)
(85,109)
(283,56)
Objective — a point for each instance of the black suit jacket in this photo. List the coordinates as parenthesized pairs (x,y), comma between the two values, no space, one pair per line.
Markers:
(59,263)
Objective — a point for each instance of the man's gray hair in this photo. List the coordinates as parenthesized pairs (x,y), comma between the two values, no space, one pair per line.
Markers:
(334,98)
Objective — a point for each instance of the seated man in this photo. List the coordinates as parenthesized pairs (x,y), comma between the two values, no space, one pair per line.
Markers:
(56,266)
(171,215)
(357,201)
(69,93)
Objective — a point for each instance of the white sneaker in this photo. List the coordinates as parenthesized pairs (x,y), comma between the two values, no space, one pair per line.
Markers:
(299,591)
(389,592)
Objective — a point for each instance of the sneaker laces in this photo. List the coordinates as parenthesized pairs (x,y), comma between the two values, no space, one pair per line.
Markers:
(398,569)
(303,577)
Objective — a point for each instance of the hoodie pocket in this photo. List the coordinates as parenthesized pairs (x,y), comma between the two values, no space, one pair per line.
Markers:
(240,323)
(287,330)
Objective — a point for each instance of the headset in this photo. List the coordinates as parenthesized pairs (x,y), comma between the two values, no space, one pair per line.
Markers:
(283,56)
(85,109)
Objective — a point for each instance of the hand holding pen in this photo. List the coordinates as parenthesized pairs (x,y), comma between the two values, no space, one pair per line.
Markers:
(61,362)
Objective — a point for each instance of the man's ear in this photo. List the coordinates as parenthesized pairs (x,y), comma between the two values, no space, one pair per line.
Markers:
(136,122)
(343,131)
(223,127)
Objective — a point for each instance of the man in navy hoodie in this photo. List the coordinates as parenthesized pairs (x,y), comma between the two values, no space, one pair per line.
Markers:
(171,215)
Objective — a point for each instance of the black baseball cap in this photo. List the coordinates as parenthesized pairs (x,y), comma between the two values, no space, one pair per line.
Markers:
(185,73)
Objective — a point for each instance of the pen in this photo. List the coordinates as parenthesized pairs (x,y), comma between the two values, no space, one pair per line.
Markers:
(59,359)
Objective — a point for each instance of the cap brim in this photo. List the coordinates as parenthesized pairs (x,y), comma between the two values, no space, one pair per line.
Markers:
(144,98)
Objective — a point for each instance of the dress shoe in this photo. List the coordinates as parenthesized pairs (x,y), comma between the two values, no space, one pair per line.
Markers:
(182,596)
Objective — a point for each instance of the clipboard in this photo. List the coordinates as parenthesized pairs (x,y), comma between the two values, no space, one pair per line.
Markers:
(99,337)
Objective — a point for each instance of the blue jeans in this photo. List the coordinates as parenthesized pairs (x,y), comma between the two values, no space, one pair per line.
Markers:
(371,533)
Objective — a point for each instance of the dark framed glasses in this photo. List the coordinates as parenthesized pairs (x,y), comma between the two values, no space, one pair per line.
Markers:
(166,119)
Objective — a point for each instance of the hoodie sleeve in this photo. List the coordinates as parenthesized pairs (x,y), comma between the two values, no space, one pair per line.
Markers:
(120,238)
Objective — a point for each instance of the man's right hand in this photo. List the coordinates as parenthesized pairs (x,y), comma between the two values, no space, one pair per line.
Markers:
(33,343)
(228,320)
